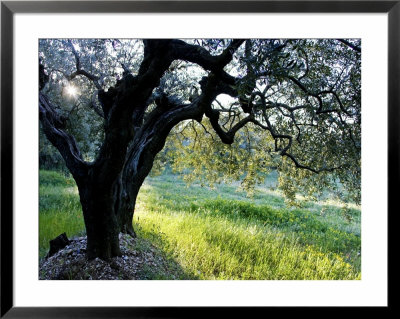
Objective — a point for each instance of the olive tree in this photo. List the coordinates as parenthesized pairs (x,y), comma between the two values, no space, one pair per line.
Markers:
(225,107)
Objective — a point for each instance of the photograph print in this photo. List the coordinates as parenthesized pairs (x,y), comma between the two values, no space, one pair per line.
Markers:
(199,159)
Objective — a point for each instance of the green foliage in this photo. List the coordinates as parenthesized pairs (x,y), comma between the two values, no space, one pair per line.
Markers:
(201,156)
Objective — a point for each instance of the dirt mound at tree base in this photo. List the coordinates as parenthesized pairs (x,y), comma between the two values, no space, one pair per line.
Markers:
(71,263)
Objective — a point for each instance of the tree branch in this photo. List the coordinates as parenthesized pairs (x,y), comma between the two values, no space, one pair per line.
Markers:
(351,45)
(53,126)
(226,137)
(80,71)
(199,55)
(94,105)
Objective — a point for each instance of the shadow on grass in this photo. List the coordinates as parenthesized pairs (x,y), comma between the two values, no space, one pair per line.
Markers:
(168,268)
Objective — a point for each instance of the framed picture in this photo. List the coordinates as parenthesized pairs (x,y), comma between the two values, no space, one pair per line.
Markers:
(375,23)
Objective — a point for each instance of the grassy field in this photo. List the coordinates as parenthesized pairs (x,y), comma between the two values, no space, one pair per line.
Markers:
(220,233)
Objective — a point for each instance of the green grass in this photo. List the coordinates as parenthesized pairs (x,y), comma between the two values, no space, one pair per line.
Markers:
(221,234)
(59,209)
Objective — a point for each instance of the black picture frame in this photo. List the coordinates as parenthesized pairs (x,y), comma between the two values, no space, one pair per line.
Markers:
(9,8)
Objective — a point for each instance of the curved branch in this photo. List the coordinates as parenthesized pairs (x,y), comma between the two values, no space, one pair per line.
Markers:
(317,95)
(199,55)
(79,70)
(316,171)
(53,126)
(226,137)
(284,151)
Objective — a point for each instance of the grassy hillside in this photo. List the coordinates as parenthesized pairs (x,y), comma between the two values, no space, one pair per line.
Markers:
(220,233)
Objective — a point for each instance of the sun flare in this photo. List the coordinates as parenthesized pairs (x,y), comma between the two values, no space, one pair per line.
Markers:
(71,90)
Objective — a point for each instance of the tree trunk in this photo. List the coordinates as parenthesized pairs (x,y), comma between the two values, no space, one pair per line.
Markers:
(126,211)
(125,200)
(108,207)
(101,222)
(132,178)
